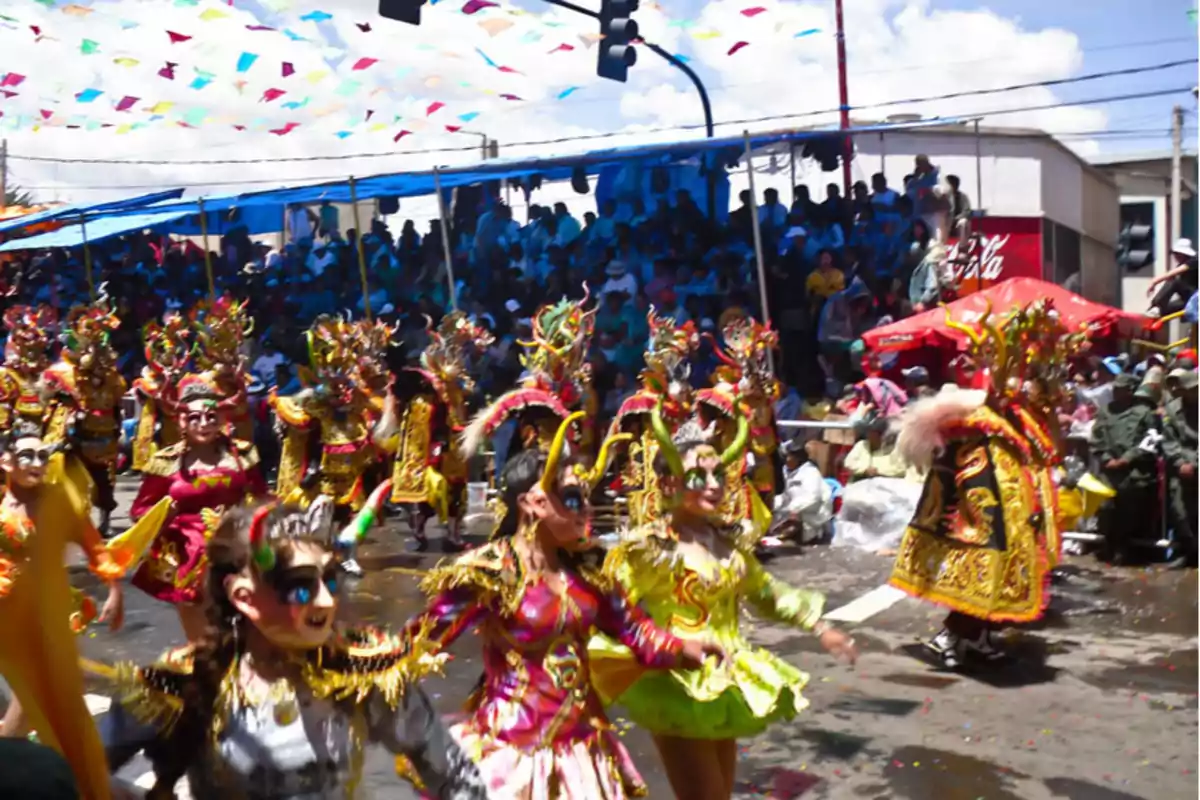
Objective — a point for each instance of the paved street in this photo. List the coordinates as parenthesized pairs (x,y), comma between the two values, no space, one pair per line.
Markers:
(1100,703)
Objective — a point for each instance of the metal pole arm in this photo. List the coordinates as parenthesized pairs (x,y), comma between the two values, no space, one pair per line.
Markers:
(577,9)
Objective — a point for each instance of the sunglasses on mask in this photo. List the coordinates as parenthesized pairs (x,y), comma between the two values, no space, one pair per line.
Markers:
(300,586)
(201,417)
(30,457)
(696,479)
(573,498)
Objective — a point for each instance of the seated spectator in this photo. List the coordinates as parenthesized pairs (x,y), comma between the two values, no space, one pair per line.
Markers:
(825,281)
(873,456)
(265,366)
(804,508)
(619,280)
(1171,291)
(916,383)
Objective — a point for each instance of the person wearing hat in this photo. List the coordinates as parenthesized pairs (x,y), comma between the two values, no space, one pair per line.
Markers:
(1179,449)
(805,506)
(916,383)
(1117,436)
(1171,290)
(873,456)
(619,279)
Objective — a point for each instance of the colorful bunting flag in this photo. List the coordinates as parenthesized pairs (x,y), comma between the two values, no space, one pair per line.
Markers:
(12,79)
(344,134)
(88,47)
(316,16)
(470,115)
(76,10)
(294,105)
(363,63)
(316,76)
(807,32)
(570,90)
(295,37)
(475,6)
(563,48)
(168,71)
(162,107)
(401,135)
(286,129)
(260,28)
(288,69)
(199,83)
(348,88)
(126,103)
(178,38)
(271,94)
(365,27)
(245,61)
(195,116)
(454,128)
(213,14)
(737,46)
(753,12)
(434,106)
(87,95)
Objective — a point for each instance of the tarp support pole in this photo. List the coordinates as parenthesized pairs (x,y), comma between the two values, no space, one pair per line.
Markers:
(87,258)
(212,285)
(445,226)
(758,248)
(362,255)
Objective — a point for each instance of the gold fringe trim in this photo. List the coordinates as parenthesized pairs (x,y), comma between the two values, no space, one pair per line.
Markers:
(388,666)
(493,572)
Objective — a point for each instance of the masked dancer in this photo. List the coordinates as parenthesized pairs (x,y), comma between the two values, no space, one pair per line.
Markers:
(202,474)
(277,700)
(85,403)
(554,384)
(665,380)
(534,725)
(26,357)
(746,386)
(220,327)
(168,351)
(327,445)
(430,476)
(692,570)
(985,534)
(40,513)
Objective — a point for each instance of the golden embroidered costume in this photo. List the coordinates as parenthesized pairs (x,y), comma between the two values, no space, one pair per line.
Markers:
(40,615)
(429,472)
(220,327)
(986,531)
(85,403)
(326,429)
(168,350)
(358,690)
(26,356)
(665,380)
(746,385)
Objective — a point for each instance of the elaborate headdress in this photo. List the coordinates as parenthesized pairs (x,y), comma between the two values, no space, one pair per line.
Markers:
(692,432)
(221,327)
(456,339)
(746,356)
(167,345)
(331,353)
(1025,358)
(87,335)
(29,331)
(558,348)
(371,342)
(669,351)
(589,477)
(274,522)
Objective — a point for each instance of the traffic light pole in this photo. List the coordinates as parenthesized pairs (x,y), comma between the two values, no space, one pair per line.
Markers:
(682,67)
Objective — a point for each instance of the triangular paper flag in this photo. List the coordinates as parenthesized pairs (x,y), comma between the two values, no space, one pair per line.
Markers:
(126,62)
(245,61)
(213,14)
(474,6)
(288,69)
(401,135)
(363,63)
(286,129)
(316,16)
(125,103)
(88,47)
(737,46)
(272,94)
(434,106)
(495,27)
(88,95)
(162,107)
(178,38)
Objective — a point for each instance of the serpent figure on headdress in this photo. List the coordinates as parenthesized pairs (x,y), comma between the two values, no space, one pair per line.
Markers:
(168,350)
(986,532)
(326,426)
(26,356)
(84,413)
(221,326)
(665,379)
(421,421)
(747,381)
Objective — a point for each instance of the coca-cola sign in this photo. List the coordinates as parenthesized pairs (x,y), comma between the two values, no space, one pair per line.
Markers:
(1005,247)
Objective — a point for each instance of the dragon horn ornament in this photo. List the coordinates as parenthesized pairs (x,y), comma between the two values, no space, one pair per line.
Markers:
(741,437)
(550,470)
(592,477)
(665,444)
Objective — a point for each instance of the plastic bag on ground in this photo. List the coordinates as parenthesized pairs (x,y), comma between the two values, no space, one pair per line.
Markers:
(875,513)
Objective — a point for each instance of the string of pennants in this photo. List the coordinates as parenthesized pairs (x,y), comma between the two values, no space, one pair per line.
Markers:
(287,94)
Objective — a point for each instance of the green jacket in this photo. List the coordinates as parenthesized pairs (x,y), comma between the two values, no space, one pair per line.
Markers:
(1179,435)
(1117,434)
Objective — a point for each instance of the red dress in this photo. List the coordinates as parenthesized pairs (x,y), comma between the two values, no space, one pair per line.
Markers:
(174,569)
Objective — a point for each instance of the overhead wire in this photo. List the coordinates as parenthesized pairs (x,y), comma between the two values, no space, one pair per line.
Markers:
(663,129)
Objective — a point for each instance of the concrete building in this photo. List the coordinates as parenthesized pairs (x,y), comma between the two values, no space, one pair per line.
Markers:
(1048,213)
(1144,183)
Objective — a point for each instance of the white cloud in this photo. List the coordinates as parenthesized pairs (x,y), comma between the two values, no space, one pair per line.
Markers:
(896,50)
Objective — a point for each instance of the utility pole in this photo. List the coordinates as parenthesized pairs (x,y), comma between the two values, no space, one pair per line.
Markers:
(843,98)
(1176,174)
(3,173)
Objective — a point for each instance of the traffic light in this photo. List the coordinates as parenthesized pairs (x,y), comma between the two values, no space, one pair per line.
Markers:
(1136,247)
(618,33)
(402,10)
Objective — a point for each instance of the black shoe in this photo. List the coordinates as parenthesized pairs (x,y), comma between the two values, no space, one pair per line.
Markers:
(420,543)
(947,647)
(453,545)
(984,648)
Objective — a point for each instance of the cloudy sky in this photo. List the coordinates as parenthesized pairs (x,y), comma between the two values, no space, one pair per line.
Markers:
(249,80)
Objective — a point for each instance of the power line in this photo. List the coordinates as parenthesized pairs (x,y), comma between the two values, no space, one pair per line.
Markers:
(317,180)
(586,137)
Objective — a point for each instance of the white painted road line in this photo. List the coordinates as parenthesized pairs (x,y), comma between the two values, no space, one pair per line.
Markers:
(97,703)
(867,606)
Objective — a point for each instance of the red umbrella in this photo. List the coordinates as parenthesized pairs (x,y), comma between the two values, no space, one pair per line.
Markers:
(929,329)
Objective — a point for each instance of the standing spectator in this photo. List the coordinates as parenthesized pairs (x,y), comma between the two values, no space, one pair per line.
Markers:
(568,228)
(266,366)
(772,216)
(883,198)
(922,191)
(1179,447)
(1130,469)
(300,223)
(328,217)
(1178,284)
(959,207)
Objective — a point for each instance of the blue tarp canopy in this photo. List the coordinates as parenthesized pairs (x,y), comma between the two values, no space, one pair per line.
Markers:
(554,168)
(97,230)
(16,224)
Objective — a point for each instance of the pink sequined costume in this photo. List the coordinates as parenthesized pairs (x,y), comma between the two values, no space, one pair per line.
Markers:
(535,726)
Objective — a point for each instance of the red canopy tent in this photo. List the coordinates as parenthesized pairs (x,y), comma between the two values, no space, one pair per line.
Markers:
(929,329)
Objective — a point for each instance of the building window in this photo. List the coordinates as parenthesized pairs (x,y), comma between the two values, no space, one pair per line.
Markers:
(1066,254)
